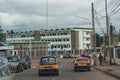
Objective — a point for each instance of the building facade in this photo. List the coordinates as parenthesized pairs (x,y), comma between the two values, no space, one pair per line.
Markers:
(71,40)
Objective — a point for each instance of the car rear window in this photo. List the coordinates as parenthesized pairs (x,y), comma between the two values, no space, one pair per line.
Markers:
(13,59)
(82,59)
(48,60)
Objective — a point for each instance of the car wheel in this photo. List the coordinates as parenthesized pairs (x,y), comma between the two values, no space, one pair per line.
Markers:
(57,74)
(29,67)
(75,69)
(39,73)
(22,68)
(19,68)
(8,72)
(25,67)
(3,73)
(89,69)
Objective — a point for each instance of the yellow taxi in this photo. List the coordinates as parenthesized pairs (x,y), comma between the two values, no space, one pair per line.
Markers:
(48,65)
(81,63)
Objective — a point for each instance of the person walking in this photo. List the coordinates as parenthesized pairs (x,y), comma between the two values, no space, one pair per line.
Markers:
(100,59)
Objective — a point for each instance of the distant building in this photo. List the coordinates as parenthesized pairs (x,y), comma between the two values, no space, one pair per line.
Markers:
(70,40)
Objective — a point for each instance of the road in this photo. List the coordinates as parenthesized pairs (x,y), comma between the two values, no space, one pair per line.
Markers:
(66,73)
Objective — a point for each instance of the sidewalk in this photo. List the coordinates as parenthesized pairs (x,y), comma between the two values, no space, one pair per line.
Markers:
(110,70)
(10,77)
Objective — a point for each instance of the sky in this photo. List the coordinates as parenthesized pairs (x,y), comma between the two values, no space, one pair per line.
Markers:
(26,15)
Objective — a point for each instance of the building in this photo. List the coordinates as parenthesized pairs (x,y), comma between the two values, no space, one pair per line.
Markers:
(72,40)
(34,49)
(27,43)
(4,49)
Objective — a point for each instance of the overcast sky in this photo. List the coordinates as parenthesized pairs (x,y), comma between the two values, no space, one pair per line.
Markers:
(21,15)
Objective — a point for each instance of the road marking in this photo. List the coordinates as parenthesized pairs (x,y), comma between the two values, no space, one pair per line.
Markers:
(54,78)
(61,70)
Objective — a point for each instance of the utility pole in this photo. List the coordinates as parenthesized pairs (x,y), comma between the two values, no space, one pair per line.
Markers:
(119,36)
(93,27)
(108,34)
(94,36)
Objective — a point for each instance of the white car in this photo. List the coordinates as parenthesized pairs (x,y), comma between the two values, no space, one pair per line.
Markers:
(4,67)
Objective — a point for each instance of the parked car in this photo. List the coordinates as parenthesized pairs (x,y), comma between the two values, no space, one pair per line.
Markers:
(48,65)
(4,67)
(67,56)
(16,64)
(26,61)
(81,63)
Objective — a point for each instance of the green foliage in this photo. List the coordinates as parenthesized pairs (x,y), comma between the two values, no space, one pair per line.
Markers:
(99,40)
(1,35)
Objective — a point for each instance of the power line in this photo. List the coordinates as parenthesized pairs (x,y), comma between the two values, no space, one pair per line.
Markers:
(115,12)
(115,7)
(98,22)
(102,17)
(99,14)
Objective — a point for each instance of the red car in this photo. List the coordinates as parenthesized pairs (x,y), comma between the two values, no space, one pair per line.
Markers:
(85,55)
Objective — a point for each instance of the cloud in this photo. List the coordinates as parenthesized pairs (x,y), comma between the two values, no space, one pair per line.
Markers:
(30,15)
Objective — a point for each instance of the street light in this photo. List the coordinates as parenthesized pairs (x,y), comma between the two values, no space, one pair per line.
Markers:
(84,19)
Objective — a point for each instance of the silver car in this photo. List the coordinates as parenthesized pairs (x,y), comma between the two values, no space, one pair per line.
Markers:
(4,67)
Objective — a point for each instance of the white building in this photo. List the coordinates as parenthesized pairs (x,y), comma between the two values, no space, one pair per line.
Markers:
(70,39)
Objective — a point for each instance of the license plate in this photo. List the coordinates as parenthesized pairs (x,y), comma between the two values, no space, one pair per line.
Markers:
(48,67)
(82,64)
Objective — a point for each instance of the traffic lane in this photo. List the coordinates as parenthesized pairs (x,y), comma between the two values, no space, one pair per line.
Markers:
(69,74)
(32,74)
(66,73)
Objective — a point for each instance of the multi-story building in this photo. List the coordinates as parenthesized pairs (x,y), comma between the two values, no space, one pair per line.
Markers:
(70,39)
(27,43)
(74,39)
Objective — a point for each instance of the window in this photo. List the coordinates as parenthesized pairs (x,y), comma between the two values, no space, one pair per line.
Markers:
(87,39)
(48,60)
(87,33)
(81,59)
(5,61)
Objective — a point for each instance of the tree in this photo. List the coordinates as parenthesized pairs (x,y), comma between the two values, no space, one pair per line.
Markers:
(99,40)
(1,34)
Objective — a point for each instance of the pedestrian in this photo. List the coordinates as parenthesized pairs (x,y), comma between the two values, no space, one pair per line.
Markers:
(100,59)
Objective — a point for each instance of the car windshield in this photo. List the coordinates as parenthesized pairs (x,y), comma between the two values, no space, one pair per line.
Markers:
(13,59)
(48,60)
(81,59)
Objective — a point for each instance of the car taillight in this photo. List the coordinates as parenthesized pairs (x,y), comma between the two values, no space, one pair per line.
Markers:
(75,64)
(88,63)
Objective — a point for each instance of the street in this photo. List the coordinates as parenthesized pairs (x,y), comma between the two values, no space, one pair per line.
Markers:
(66,73)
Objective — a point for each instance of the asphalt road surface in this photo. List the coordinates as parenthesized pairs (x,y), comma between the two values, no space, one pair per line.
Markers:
(66,73)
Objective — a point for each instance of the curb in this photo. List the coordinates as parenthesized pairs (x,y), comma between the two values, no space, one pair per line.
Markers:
(113,75)
(9,77)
